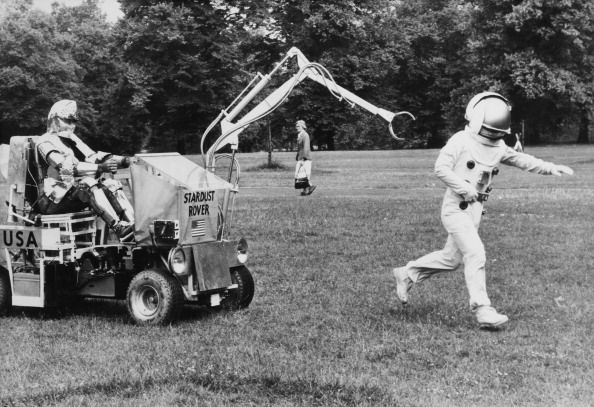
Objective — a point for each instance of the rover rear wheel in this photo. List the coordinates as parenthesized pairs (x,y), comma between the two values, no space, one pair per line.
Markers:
(5,292)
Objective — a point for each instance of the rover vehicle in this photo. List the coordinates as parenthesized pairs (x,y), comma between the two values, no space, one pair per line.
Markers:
(182,251)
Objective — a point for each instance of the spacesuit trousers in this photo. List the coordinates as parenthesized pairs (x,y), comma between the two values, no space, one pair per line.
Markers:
(463,246)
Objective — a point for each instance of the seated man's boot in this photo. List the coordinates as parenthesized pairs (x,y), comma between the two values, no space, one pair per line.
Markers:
(102,207)
(124,230)
(118,200)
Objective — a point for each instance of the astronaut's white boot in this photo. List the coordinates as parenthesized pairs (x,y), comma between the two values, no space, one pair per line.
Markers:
(403,283)
(487,317)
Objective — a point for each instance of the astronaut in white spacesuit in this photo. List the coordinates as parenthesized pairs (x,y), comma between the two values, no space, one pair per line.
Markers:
(68,172)
(467,165)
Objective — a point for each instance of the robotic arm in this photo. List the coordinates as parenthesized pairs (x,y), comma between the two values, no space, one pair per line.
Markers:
(313,71)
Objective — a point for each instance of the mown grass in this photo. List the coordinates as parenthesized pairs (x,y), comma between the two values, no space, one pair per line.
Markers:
(325,328)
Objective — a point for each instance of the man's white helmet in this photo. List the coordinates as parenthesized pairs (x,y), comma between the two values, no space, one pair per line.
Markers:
(491,111)
(62,116)
(64,109)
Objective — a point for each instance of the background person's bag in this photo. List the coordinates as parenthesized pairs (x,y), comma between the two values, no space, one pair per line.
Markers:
(301,181)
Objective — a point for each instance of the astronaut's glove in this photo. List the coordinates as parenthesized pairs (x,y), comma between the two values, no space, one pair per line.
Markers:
(558,170)
(109,165)
(471,194)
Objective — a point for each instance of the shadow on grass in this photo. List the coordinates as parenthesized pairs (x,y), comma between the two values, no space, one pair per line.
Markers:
(272,166)
(276,166)
(435,314)
(265,389)
(109,310)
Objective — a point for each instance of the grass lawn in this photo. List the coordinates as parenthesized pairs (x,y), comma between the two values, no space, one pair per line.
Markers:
(325,327)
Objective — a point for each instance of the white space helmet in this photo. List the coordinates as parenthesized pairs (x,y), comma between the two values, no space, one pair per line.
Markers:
(491,111)
(65,110)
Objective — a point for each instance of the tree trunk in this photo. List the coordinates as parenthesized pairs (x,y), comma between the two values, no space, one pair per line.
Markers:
(269,145)
(181,145)
(146,141)
(2,138)
(584,130)
(533,134)
(330,140)
(435,139)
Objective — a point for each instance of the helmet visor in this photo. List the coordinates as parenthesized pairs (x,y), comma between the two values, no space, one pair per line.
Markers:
(491,133)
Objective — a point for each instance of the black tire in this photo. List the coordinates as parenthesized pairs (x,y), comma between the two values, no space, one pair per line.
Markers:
(5,292)
(242,296)
(154,298)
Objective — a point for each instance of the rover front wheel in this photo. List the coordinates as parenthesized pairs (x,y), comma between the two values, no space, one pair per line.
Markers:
(154,298)
(242,296)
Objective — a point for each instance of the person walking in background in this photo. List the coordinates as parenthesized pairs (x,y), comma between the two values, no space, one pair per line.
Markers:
(303,157)
(467,165)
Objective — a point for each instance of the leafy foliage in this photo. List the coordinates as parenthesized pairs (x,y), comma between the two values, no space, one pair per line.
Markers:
(36,66)
(99,75)
(539,53)
(158,78)
(181,67)
(48,57)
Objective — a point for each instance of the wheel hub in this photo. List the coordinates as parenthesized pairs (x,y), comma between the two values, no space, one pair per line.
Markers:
(147,301)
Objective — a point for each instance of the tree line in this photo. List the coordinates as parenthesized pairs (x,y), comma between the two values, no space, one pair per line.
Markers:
(158,77)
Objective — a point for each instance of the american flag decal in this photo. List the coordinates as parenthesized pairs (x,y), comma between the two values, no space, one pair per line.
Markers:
(198,227)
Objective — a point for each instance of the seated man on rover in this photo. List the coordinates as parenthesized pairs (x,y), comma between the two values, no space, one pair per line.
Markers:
(69,171)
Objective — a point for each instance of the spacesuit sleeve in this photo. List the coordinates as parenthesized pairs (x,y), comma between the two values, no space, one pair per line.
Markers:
(81,146)
(526,162)
(64,164)
(444,169)
(50,154)
(90,155)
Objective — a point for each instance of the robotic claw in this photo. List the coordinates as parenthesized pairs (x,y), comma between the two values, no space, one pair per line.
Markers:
(307,69)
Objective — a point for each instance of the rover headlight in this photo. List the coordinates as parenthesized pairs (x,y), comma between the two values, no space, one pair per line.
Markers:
(177,261)
(242,250)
